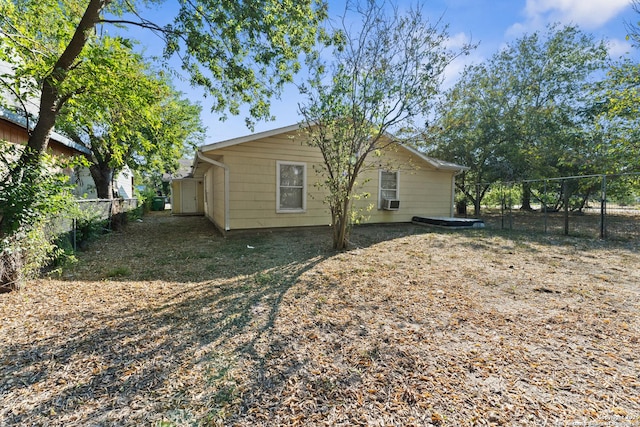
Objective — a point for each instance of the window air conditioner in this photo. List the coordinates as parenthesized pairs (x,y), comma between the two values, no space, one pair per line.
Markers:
(390,205)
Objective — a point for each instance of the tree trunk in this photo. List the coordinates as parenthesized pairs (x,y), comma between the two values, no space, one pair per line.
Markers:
(103,179)
(50,99)
(476,201)
(341,226)
(526,197)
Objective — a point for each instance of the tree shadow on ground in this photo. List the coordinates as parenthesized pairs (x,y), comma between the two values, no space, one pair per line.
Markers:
(190,249)
(134,365)
(130,369)
(176,356)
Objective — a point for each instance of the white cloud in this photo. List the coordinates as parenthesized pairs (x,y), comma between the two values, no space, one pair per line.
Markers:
(618,48)
(452,72)
(588,14)
(457,41)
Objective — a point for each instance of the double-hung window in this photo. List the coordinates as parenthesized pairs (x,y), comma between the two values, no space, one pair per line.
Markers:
(388,187)
(291,190)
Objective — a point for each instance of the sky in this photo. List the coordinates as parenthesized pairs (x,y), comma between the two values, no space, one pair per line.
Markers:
(491,23)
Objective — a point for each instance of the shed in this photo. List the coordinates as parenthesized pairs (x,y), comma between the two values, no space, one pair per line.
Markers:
(187,196)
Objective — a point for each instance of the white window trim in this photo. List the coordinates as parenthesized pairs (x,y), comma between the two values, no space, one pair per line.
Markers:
(397,172)
(304,187)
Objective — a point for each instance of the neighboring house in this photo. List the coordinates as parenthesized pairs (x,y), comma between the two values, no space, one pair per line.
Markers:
(13,122)
(183,172)
(267,180)
(13,128)
(123,184)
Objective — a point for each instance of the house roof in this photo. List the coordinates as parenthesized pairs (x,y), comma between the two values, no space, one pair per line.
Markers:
(250,137)
(21,120)
(436,163)
(13,112)
(184,170)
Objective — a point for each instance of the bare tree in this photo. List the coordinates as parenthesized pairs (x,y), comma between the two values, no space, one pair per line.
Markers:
(385,72)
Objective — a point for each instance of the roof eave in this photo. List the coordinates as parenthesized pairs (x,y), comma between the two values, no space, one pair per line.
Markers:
(439,165)
(248,138)
(18,120)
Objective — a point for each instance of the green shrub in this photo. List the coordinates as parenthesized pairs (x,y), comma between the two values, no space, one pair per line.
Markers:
(505,196)
(89,224)
(30,195)
(145,197)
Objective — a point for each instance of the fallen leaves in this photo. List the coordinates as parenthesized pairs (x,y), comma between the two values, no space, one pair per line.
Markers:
(417,330)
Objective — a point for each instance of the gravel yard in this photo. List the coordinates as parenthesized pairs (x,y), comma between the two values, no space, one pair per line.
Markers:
(169,324)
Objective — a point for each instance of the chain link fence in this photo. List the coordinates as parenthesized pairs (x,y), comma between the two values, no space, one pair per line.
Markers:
(598,206)
(93,217)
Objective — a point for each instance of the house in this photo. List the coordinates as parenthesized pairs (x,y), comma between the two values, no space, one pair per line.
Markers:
(123,184)
(14,124)
(267,180)
(13,129)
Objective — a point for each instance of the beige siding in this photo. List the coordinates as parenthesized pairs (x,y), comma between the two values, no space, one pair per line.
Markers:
(209,197)
(219,215)
(200,192)
(424,191)
(176,197)
(181,191)
(252,185)
(252,176)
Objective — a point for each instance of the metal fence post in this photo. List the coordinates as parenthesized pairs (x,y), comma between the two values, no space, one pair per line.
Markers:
(544,205)
(511,206)
(603,208)
(110,214)
(565,195)
(503,203)
(75,238)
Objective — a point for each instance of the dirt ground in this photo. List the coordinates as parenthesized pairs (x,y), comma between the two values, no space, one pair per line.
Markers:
(169,324)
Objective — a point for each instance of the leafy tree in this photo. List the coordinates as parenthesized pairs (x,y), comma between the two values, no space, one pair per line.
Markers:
(239,52)
(634,29)
(522,114)
(130,117)
(382,76)
(620,106)
(473,131)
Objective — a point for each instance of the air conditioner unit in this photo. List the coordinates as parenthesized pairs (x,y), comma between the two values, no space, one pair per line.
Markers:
(390,205)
